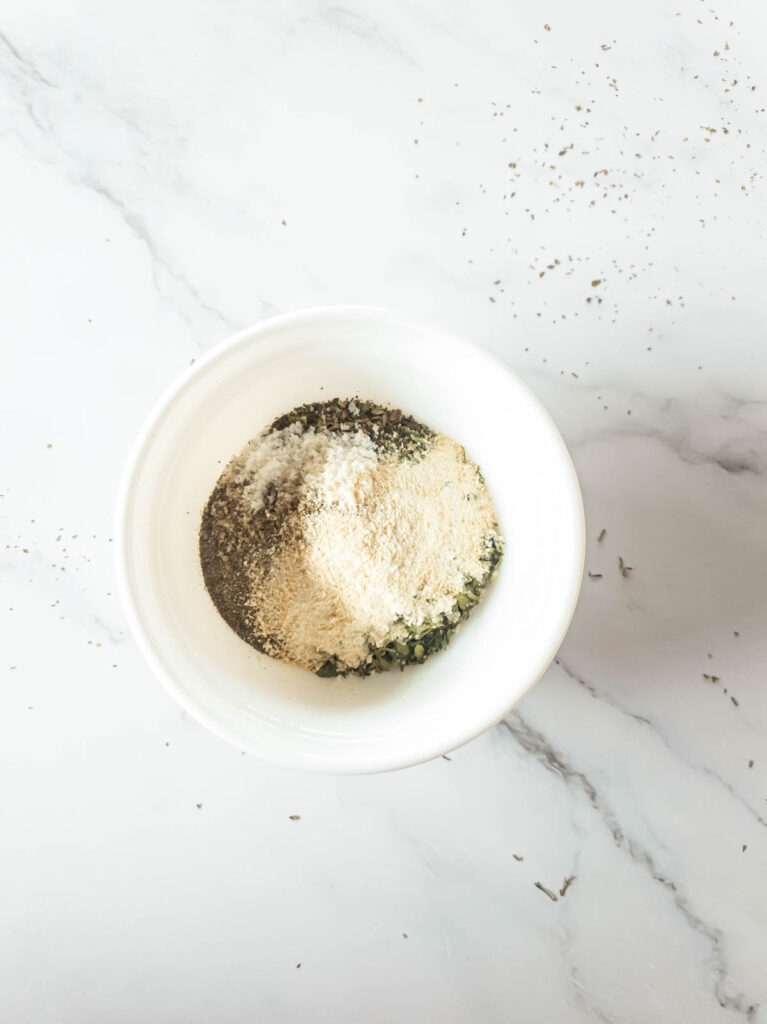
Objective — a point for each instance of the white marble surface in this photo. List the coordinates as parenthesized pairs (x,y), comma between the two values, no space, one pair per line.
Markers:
(172,172)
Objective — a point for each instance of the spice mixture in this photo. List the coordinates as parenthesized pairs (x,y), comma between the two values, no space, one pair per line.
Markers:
(348,538)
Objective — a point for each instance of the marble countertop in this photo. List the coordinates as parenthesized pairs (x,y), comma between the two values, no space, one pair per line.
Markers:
(579,188)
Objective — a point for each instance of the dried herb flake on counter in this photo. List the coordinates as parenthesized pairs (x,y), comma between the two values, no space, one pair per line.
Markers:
(552,895)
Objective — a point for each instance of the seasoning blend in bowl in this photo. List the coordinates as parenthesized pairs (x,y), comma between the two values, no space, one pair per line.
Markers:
(349,538)
(349,542)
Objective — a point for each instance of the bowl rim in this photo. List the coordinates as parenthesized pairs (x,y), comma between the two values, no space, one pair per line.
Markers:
(138,454)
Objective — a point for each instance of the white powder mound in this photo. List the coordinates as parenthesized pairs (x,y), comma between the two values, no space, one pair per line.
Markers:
(378,544)
(299,461)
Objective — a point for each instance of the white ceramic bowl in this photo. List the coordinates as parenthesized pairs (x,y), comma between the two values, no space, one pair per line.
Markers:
(388,720)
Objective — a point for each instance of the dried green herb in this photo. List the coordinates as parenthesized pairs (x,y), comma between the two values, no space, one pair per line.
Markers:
(552,896)
(566,884)
(389,429)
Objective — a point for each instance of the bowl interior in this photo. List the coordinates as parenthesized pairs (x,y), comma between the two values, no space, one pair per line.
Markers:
(387,720)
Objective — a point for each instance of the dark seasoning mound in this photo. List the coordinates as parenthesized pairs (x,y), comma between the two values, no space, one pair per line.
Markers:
(389,429)
(232,536)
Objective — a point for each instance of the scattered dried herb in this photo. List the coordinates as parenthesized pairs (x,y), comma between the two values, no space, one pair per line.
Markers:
(601,536)
(595,575)
(624,569)
(566,884)
(552,896)
(295,817)
(517,857)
